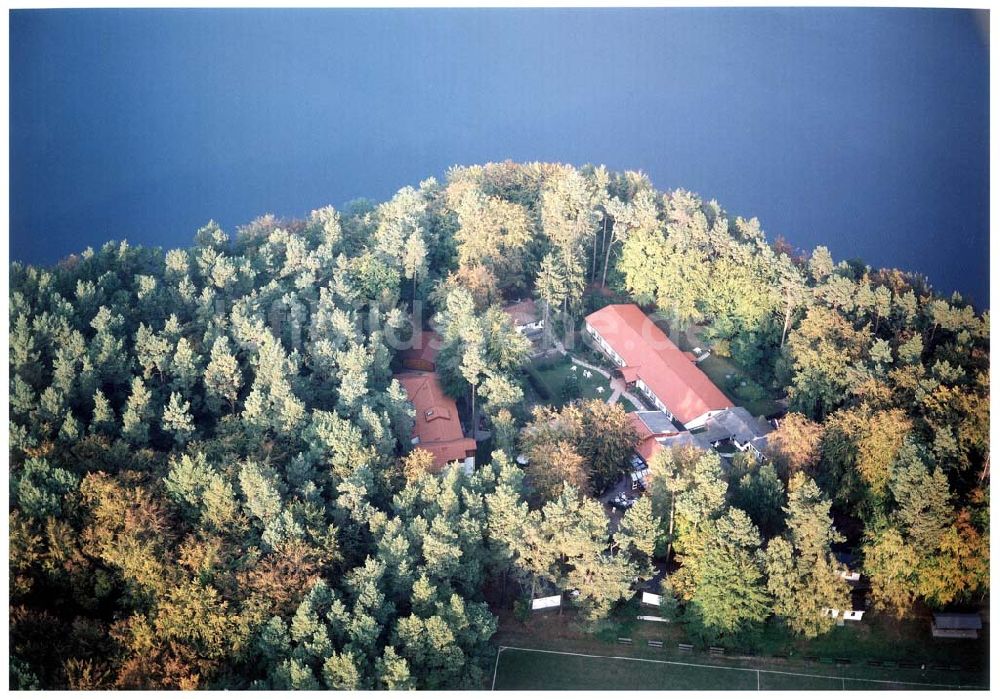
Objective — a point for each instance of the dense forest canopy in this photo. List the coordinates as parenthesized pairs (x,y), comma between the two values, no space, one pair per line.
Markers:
(212,482)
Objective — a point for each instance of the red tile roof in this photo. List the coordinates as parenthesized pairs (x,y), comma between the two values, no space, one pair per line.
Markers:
(437,423)
(647,449)
(651,356)
(640,427)
(522,313)
(422,354)
(630,373)
(647,446)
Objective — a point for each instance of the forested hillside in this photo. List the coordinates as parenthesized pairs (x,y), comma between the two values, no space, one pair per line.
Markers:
(212,482)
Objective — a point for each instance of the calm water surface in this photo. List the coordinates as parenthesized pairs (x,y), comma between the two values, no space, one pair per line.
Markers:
(865,130)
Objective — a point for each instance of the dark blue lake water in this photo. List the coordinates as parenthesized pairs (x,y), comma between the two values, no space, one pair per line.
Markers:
(865,130)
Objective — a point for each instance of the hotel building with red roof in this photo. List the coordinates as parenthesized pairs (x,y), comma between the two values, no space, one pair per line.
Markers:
(657,368)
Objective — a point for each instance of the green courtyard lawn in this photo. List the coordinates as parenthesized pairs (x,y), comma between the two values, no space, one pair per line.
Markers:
(727,376)
(554,372)
(626,404)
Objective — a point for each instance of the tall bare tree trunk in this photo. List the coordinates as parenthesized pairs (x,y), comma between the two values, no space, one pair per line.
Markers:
(604,233)
(607,256)
(548,324)
(593,258)
(475,424)
(784,328)
(670,528)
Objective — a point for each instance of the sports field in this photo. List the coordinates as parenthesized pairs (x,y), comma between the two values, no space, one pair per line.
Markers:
(525,668)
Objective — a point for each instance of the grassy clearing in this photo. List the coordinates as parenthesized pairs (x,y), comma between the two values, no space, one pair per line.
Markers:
(554,374)
(882,638)
(539,669)
(520,669)
(775,682)
(725,375)
(782,657)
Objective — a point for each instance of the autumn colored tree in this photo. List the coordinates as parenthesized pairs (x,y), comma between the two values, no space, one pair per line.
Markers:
(795,445)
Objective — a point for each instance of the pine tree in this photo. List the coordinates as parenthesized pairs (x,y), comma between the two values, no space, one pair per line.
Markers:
(153,352)
(924,511)
(892,564)
(505,432)
(103,417)
(223,378)
(177,419)
(473,367)
(70,429)
(22,397)
(184,367)
(138,412)
(415,259)
(730,593)
(260,487)
(340,671)
(638,532)
(761,494)
(602,580)
(392,672)
(820,264)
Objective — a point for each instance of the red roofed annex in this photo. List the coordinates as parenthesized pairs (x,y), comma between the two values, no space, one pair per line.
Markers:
(423,350)
(656,366)
(437,427)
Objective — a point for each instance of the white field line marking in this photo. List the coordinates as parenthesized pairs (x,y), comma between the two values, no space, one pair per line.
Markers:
(497,665)
(746,669)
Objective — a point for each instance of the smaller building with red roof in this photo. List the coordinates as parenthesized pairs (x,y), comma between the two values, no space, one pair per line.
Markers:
(421,355)
(524,316)
(652,363)
(649,425)
(437,427)
(656,432)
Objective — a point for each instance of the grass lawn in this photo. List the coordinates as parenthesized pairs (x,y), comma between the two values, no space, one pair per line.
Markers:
(881,638)
(881,654)
(518,669)
(554,374)
(717,368)
(626,404)
(537,669)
